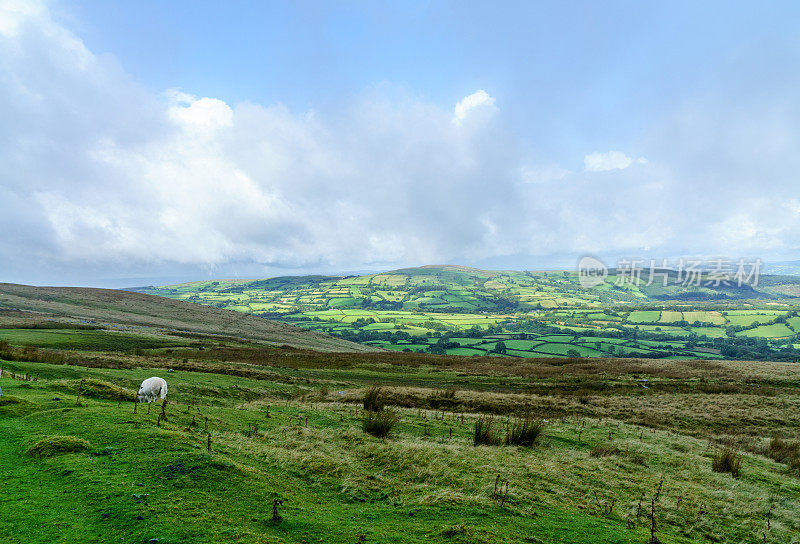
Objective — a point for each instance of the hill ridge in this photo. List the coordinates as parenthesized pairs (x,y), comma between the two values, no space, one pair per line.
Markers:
(130,309)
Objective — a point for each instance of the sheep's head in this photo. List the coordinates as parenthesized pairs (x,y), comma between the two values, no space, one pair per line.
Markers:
(140,395)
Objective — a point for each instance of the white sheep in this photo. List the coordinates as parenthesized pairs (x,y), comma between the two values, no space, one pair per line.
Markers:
(151,389)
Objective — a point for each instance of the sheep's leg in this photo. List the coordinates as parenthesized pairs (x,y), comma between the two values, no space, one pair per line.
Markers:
(149,404)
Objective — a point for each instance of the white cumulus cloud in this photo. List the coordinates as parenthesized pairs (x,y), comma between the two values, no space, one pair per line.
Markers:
(613,160)
(13,13)
(102,177)
(203,115)
(480,99)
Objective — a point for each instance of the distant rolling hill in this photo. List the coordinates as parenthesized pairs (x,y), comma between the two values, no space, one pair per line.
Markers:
(146,313)
(448,288)
(459,310)
(787,268)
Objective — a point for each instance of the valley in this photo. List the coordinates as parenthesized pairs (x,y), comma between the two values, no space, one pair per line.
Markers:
(463,311)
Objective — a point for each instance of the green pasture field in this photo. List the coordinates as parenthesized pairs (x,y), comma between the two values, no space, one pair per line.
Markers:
(713,332)
(467,341)
(671,317)
(556,338)
(665,329)
(341,302)
(96,471)
(647,316)
(525,345)
(715,318)
(380,327)
(562,349)
(748,320)
(778,330)
(759,311)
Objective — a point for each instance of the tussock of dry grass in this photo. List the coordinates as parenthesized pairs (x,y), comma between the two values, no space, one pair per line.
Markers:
(524,431)
(782,450)
(603,450)
(486,433)
(373,399)
(727,460)
(381,423)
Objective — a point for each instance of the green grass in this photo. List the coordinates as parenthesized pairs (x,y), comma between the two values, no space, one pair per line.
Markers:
(420,484)
(665,329)
(713,332)
(715,318)
(778,330)
(647,316)
(746,320)
(57,445)
(671,317)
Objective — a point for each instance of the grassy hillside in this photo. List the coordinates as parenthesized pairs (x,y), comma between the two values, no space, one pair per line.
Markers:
(627,448)
(23,307)
(465,311)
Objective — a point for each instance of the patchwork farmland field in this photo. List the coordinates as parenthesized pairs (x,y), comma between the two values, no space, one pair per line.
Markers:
(437,308)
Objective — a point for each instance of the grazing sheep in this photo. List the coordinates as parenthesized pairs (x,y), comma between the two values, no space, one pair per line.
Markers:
(151,389)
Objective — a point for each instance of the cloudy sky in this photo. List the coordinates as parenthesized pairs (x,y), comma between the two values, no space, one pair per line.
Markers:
(149,142)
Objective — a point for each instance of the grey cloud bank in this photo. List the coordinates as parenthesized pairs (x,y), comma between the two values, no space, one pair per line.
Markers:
(105,182)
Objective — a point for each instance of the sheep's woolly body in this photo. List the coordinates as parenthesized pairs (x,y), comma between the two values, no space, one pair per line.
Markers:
(151,389)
